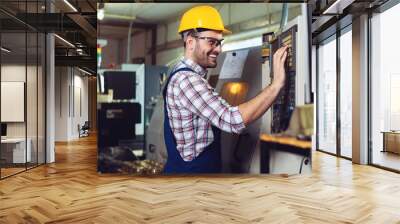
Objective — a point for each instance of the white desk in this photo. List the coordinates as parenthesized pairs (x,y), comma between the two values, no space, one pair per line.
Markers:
(17,147)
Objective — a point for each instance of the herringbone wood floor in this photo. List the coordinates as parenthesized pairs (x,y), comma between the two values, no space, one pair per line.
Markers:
(71,191)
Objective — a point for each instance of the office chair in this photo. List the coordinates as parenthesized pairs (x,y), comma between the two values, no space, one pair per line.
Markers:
(84,130)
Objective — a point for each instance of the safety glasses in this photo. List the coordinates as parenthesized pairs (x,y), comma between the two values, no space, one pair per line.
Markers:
(214,42)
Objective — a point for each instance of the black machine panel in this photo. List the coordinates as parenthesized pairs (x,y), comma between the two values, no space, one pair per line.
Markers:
(122,83)
(117,122)
(116,135)
(3,129)
(285,103)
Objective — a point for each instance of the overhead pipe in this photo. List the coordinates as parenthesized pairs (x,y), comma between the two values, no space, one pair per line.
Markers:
(131,20)
(256,32)
(252,33)
(261,30)
(119,17)
(248,34)
(128,50)
(16,18)
(284,17)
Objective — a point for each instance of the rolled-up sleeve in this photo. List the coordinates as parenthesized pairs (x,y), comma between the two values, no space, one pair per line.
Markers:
(199,97)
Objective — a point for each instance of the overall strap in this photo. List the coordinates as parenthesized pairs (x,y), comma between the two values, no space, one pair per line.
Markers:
(171,75)
(167,127)
(209,161)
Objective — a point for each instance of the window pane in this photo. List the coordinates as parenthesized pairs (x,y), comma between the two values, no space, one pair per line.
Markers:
(385,84)
(346,94)
(327,96)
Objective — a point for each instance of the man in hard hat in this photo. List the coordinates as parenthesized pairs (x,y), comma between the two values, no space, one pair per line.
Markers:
(194,112)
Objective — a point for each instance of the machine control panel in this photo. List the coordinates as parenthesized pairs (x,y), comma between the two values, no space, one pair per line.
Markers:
(287,38)
(284,105)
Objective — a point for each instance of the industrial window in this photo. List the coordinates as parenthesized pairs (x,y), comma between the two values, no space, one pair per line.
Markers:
(345,82)
(327,95)
(385,89)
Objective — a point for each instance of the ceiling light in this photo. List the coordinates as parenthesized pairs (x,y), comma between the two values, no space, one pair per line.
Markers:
(86,72)
(70,5)
(100,14)
(5,49)
(337,7)
(65,41)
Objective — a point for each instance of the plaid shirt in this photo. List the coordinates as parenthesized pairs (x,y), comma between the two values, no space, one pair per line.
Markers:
(193,106)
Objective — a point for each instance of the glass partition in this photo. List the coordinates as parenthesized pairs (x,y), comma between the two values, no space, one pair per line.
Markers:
(31,100)
(13,104)
(22,88)
(41,152)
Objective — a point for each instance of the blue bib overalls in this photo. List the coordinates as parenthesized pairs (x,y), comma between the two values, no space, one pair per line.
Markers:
(209,161)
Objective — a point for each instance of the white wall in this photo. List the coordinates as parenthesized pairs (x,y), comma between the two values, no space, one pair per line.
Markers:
(12,73)
(33,126)
(70,84)
(80,83)
(61,104)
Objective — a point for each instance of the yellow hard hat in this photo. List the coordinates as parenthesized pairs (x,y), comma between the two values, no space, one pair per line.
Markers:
(205,17)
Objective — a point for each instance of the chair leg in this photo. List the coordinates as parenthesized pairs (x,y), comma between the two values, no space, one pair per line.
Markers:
(304,160)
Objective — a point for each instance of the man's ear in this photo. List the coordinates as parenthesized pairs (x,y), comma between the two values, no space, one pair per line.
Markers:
(190,42)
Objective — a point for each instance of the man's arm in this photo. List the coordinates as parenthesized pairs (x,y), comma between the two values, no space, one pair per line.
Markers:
(198,97)
(256,107)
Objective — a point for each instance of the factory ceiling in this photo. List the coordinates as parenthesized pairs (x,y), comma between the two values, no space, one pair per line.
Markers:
(161,12)
(145,16)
